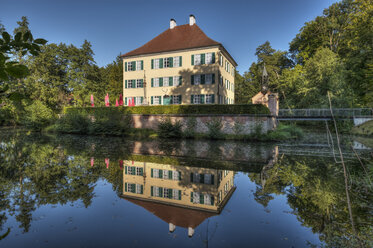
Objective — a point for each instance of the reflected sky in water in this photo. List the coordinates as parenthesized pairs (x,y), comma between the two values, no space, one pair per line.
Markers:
(77,191)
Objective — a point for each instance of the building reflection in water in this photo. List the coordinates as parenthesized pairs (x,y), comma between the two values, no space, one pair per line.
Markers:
(179,195)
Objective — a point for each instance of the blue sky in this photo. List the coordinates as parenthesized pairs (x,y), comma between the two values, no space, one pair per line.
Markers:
(115,27)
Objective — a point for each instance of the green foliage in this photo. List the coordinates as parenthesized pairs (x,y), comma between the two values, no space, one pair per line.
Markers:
(22,43)
(38,116)
(190,130)
(252,109)
(110,122)
(73,123)
(364,129)
(238,128)
(215,128)
(286,132)
(167,129)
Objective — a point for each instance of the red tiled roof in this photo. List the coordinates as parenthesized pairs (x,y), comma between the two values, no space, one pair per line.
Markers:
(178,38)
(183,217)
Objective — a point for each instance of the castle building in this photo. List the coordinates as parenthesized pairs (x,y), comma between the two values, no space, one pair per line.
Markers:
(180,66)
(182,196)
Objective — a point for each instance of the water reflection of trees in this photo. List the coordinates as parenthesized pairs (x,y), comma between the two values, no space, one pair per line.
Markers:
(36,171)
(315,191)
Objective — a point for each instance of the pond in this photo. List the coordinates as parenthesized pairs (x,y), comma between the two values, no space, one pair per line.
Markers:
(87,191)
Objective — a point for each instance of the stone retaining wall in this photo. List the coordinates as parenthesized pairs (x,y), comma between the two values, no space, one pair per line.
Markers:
(248,123)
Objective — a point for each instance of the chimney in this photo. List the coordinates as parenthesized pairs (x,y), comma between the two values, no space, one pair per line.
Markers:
(192,20)
(172,23)
(190,232)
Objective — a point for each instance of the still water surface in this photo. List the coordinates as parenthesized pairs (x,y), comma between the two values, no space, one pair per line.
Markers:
(78,191)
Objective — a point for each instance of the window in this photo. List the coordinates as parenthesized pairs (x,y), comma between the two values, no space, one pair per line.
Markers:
(166,81)
(208,78)
(177,80)
(138,100)
(208,58)
(130,66)
(221,80)
(130,84)
(197,99)
(197,79)
(138,65)
(167,62)
(139,83)
(176,61)
(156,82)
(176,100)
(197,59)
(221,60)
(156,64)
(176,175)
(174,194)
(209,98)
(195,197)
(156,100)
(134,188)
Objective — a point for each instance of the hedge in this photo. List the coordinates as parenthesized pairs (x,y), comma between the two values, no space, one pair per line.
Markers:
(251,109)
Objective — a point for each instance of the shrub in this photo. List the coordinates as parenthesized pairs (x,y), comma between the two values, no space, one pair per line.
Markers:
(73,123)
(38,116)
(110,122)
(238,128)
(190,127)
(166,129)
(215,127)
(258,130)
(252,109)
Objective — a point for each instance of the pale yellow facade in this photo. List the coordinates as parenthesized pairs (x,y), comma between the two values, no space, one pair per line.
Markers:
(205,195)
(223,87)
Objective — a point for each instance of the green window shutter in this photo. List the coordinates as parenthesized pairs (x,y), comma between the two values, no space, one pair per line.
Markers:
(151,100)
(141,172)
(133,170)
(180,80)
(202,99)
(160,63)
(203,79)
(125,169)
(160,82)
(142,99)
(179,99)
(160,175)
(212,200)
(191,177)
(142,83)
(160,192)
(142,189)
(152,63)
(151,190)
(133,188)
(170,193)
(179,194)
(171,59)
(191,99)
(192,79)
(213,58)
(202,178)
(180,61)
(170,81)
(125,66)
(125,101)
(152,82)
(151,171)
(179,175)
(202,59)
(212,98)
(213,78)
(133,65)
(169,174)
(201,199)
(191,196)
(192,59)
(134,84)
(125,86)
(171,100)
(125,187)
(142,64)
